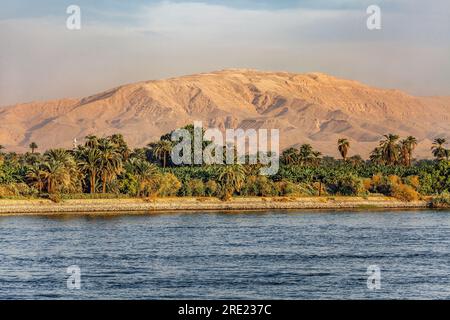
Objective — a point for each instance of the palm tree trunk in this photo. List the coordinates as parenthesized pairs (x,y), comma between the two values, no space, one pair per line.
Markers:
(104,184)
(92,183)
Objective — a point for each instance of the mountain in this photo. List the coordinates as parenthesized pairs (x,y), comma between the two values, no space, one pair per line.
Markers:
(307,108)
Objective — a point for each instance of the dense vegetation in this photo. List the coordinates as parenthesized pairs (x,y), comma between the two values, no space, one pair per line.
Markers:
(107,167)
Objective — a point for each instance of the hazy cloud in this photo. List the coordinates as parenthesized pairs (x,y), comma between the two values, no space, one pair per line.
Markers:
(121,43)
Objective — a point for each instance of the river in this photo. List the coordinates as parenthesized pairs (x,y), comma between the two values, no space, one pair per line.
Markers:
(251,255)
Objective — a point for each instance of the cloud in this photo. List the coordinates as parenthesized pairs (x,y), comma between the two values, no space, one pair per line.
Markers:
(40,59)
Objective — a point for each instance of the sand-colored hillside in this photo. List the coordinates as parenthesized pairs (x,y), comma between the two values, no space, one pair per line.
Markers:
(307,108)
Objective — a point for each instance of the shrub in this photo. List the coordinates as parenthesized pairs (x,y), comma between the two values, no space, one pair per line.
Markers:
(441,201)
(319,189)
(211,188)
(6,190)
(165,185)
(197,187)
(404,192)
(129,185)
(367,183)
(17,190)
(413,181)
(259,186)
(288,188)
(382,184)
(55,197)
(348,185)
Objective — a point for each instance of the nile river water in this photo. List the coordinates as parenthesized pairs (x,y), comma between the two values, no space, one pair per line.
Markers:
(265,255)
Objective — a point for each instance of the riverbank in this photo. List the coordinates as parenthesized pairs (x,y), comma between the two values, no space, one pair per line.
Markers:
(92,206)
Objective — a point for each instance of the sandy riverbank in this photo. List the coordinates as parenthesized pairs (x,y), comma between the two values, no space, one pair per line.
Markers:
(91,206)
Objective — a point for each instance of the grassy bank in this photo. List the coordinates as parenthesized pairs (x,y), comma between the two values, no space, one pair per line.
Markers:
(90,206)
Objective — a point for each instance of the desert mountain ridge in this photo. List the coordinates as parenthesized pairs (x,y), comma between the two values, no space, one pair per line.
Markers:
(310,108)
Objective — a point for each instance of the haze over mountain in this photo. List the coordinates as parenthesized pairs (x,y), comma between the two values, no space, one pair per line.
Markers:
(307,108)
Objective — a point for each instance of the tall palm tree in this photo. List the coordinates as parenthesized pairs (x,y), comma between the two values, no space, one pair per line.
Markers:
(91,141)
(162,150)
(290,156)
(36,177)
(316,157)
(231,177)
(55,175)
(411,143)
(66,160)
(59,155)
(343,147)
(121,145)
(143,170)
(390,149)
(110,162)
(403,149)
(376,156)
(89,162)
(305,153)
(33,146)
(438,149)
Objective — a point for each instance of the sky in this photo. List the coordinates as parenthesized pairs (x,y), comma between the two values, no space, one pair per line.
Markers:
(128,41)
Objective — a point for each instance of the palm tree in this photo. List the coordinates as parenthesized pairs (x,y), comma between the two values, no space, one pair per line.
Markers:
(390,149)
(411,143)
(59,155)
(65,159)
(290,156)
(91,141)
(406,148)
(33,146)
(231,177)
(305,153)
(404,152)
(356,160)
(376,156)
(343,147)
(36,177)
(316,157)
(110,162)
(89,162)
(161,150)
(121,145)
(143,170)
(438,148)
(55,175)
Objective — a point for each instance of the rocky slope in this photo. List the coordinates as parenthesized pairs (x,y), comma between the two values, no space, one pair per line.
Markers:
(307,108)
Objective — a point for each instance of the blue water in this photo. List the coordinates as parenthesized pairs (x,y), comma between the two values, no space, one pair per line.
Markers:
(267,255)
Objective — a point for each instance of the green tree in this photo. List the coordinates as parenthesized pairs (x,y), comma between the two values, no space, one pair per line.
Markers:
(305,154)
(161,150)
(407,147)
(390,149)
(376,156)
(120,145)
(36,177)
(33,146)
(231,178)
(438,149)
(55,176)
(142,170)
(110,162)
(89,162)
(343,147)
(290,156)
